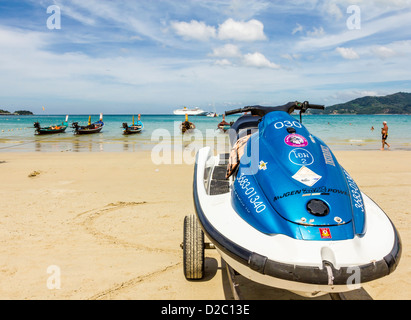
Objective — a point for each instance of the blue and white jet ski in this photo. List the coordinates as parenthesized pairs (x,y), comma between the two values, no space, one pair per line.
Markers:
(285,213)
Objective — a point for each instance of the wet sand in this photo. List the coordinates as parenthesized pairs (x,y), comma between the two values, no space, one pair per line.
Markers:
(109,226)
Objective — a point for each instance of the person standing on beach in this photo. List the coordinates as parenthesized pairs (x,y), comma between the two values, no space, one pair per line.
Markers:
(384,132)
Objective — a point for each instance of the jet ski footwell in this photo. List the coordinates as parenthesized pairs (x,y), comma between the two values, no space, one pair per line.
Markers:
(308,268)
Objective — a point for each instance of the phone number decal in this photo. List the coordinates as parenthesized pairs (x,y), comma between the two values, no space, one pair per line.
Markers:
(251,194)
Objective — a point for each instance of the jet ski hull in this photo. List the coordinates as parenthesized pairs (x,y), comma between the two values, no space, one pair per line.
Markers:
(309,268)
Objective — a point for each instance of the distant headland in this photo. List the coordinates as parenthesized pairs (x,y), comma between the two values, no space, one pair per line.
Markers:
(15,113)
(398,103)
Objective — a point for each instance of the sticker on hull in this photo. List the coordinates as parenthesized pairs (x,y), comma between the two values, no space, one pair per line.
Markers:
(296,140)
(325,233)
(301,157)
(307,177)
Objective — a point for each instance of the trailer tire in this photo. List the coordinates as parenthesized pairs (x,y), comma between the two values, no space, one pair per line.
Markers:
(193,249)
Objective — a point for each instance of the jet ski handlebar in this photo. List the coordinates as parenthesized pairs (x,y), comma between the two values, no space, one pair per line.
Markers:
(289,107)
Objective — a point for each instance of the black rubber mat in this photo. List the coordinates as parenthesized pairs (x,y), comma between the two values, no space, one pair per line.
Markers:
(219,184)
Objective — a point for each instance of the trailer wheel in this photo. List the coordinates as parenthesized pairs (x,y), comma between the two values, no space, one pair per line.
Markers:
(193,248)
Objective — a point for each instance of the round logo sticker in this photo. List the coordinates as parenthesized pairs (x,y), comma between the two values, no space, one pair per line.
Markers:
(301,157)
(295,140)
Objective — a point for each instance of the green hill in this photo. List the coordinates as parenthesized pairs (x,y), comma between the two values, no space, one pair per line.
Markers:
(17,113)
(23,113)
(398,103)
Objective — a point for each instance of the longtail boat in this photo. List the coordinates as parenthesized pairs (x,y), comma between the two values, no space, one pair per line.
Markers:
(187,126)
(91,128)
(223,125)
(135,128)
(51,129)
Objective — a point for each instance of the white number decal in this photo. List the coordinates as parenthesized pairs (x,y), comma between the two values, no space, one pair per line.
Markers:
(287,124)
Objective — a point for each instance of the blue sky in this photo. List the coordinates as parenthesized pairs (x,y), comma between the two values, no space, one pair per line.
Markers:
(152,56)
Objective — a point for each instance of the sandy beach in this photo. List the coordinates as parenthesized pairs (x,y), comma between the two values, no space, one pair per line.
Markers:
(110,225)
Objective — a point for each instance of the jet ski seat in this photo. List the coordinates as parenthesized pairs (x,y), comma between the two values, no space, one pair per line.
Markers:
(240,133)
(245,125)
(236,154)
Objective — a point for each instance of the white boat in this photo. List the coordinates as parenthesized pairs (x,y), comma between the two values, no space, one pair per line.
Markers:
(190,112)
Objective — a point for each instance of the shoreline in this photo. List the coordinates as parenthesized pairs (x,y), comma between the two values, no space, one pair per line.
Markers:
(113,223)
(50,144)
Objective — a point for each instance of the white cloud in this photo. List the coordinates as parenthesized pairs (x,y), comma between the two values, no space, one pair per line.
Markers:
(332,9)
(396,23)
(17,39)
(291,57)
(227,51)
(232,56)
(252,30)
(72,13)
(298,28)
(258,60)
(347,53)
(317,32)
(245,31)
(245,9)
(194,30)
(34,74)
(384,52)
(129,16)
(223,62)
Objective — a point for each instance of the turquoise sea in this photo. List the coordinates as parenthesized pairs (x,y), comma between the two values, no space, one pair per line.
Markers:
(340,132)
